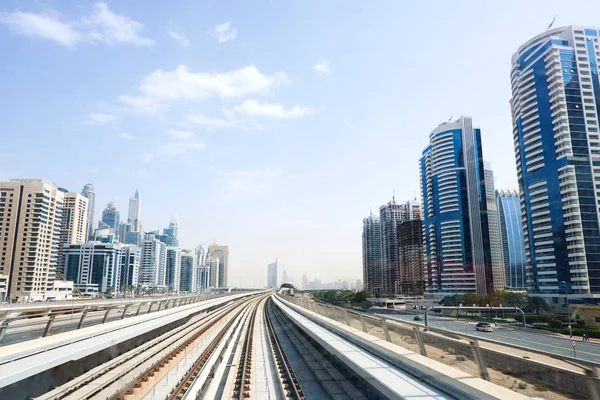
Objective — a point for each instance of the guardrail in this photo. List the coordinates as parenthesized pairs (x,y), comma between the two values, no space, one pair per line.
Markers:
(167,302)
(341,314)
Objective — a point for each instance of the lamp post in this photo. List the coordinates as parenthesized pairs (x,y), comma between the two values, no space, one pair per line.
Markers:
(568,309)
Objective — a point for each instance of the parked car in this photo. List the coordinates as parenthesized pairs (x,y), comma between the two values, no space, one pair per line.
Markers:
(484,327)
(418,318)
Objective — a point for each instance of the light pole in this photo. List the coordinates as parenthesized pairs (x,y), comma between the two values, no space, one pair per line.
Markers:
(568,309)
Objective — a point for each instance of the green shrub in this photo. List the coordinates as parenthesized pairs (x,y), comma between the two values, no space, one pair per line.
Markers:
(522,386)
(540,388)
(555,323)
(460,357)
(451,350)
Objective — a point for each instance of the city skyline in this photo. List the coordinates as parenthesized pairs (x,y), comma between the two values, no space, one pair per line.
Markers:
(284,179)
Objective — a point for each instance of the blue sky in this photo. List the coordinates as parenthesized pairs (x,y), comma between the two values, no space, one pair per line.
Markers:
(269,126)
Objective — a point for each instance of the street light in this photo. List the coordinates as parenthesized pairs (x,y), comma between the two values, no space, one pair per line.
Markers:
(568,309)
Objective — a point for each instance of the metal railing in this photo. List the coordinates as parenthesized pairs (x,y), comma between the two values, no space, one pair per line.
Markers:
(420,335)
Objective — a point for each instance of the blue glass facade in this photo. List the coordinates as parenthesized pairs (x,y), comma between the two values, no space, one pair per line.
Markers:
(511,234)
(455,221)
(555,104)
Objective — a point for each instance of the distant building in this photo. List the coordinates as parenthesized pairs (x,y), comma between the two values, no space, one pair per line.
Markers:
(173,275)
(73,228)
(390,215)
(372,256)
(135,212)
(124,229)
(498,273)
(111,217)
(272,275)
(130,266)
(30,215)
(359,284)
(411,258)
(304,282)
(218,271)
(89,192)
(170,235)
(187,281)
(133,238)
(455,223)
(153,266)
(284,278)
(511,233)
(93,267)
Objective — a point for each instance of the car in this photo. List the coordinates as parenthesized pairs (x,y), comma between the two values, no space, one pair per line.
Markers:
(418,318)
(484,327)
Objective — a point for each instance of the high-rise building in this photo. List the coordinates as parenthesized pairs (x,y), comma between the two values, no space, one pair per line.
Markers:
(511,233)
(498,272)
(170,235)
(110,216)
(455,223)
(130,267)
(272,275)
(93,267)
(73,228)
(304,282)
(89,192)
(135,212)
(202,270)
(411,258)
(284,277)
(30,218)
(390,215)
(173,275)
(555,106)
(124,229)
(187,281)
(133,238)
(153,266)
(371,253)
(218,272)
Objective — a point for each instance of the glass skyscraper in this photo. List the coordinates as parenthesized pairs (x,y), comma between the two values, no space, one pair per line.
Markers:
(555,106)
(455,220)
(372,255)
(511,233)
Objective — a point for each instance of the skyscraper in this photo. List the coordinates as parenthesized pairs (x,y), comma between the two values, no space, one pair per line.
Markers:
(511,233)
(153,265)
(371,253)
(272,275)
(304,282)
(284,277)
(555,106)
(390,215)
(73,228)
(124,229)
(93,267)
(130,266)
(110,216)
(135,212)
(89,192)
(187,282)
(218,271)
(170,235)
(173,275)
(455,223)
(498,272)
(411,257)
(30,215)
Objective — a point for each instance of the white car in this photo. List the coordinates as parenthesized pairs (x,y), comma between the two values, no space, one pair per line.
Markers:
(484,327)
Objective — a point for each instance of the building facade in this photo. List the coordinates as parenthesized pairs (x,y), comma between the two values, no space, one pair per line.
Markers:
(173,275)
(218,272)
(555,105)
(135,212)
(30,222)
(455,223)
(498,271)
(129,268)
(73,228)
(511,234)
(94,267)
(411,258)
(371,253)
(90,193)
(111,217)
(272,275)
(187,282)
(153,265)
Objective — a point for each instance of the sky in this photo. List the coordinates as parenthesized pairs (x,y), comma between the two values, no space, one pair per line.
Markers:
(272,127)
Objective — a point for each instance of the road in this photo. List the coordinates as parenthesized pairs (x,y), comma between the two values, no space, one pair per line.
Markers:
(30,329)
(529,338)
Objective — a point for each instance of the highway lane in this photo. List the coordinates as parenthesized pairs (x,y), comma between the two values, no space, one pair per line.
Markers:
(33,328)
(530,338)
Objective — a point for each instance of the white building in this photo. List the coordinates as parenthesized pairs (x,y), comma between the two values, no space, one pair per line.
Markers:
(173,275)
(153,266)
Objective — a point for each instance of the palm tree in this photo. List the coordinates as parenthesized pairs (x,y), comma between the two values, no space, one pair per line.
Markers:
(537,304)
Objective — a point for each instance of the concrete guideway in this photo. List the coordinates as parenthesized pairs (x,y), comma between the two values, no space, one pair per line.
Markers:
(390,366)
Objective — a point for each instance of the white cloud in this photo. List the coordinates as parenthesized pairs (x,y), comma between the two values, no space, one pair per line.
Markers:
(102,26)
(181,135)
(223,32)
(101,118)
(213,123)
(179,38)
(147,157)
(143,105)
(180,148)
(126,136)
(322,67)
(253,107)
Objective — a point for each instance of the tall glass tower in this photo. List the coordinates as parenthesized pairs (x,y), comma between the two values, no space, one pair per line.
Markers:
(372,254)
(511,233)
(89,192)
(555,107)
(455,220)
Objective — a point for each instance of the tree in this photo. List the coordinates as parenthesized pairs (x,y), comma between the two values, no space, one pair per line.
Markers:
(59,276)
(537,304)
(76,292)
